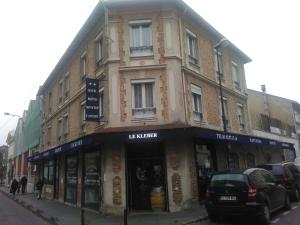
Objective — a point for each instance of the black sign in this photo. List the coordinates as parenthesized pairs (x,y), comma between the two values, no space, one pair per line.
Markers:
(92,100)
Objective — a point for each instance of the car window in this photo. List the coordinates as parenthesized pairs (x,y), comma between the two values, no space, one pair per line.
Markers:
(275,169)
(268,177)
(222,179)
(287,171)
(257,178)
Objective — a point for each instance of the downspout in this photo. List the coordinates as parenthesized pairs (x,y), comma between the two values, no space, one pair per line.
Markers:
(182,65)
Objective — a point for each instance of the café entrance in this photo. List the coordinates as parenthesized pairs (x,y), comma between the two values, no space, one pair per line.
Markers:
(146,177)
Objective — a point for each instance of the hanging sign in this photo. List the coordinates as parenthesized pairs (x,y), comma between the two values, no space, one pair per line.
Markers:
(92,100)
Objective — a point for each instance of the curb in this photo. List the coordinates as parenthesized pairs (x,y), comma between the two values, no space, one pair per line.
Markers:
(49,219)
(196,220)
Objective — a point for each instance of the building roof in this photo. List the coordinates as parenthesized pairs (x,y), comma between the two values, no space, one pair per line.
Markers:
(99,11)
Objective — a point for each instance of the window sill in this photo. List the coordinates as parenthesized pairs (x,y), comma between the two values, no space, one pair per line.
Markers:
(142,56)
(146,118)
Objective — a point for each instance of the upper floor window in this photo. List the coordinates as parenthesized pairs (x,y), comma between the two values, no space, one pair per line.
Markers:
(226,114)
(49,135)
(241,116)
(66,86)
(192,47)
(218,68)
(59,129)
(235,76)
(83,66)
(142,98)
(66,125)
(140,38)
(99,48)
(101,113)
(197,102)
(60,91)
(50,102)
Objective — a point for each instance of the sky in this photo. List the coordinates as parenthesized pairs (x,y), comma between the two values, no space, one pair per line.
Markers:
(35,34)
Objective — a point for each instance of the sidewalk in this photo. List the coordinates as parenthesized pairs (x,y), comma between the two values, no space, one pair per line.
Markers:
(60,214)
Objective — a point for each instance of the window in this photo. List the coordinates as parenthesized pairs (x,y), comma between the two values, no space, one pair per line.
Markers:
(216,57)
(235,76)
(50,103)
(268,158)
(83,66)
(101,91)
(66,125)
(60,91)
(99,48)
(83,122)
(142,99)
(250,160)
(225,111)
(48,172)
(197,102)
(49,135)
(241,117)
(66,86)
(59,129)
(140,38)
(234,161)
(192,47)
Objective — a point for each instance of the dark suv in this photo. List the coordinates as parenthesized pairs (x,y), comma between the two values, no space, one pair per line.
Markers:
(253,192)
(288,175)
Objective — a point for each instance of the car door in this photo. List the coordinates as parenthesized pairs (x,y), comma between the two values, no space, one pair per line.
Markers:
(276,191)
(295,172)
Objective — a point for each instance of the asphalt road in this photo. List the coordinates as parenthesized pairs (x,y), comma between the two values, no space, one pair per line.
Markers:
(11,213)
(282,217)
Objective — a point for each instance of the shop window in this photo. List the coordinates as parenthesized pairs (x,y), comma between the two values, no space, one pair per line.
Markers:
(268,158)
(142,98)
(48,172)
(234,160)
(140,38)
(197,102)
(192,47)
(71,179)
(250,160)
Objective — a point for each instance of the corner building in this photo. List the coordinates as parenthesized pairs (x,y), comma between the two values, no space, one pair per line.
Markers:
(160,131)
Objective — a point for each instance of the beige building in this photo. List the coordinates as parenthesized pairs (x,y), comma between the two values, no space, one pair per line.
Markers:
(273,117)
(160,131)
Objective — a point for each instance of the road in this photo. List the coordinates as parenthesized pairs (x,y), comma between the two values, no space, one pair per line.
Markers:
(282,217)
(11,213)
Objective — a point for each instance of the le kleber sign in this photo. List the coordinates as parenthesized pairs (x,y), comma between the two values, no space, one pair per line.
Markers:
(143,136)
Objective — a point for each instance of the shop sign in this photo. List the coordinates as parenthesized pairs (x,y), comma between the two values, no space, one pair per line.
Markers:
(92,100)
(228,137)
(143,136)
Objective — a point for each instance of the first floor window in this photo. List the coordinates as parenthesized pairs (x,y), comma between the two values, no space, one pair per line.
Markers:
(142,100)
(192,47)
(197,102)
(225,104)
(218,59)
(59,129)
(82,122)
(241,117)
(66,125)
(101,113)
(49,135)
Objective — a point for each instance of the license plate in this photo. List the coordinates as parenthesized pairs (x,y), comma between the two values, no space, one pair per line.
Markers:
(228,198)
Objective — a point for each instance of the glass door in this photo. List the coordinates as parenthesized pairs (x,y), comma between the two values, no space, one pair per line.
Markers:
(71,179)
(91,173)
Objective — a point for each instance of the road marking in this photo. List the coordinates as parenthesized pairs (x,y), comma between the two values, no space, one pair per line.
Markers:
(275,221)
(295,207)
(285,213)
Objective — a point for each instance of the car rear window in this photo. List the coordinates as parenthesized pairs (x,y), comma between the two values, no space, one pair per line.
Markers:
(222,179)
(275,169)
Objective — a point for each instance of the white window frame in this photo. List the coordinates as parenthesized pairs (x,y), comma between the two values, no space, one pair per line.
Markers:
(66,125)
(197,93)
(60,91)
(192,50)
(101,108)
(226,111)
(241,118)
(143,112)
(142,49)
(99,48)
(50,102)
(66,85)
(83,65)
(59,129)
(49,135)
(82,112)
(236,75)
(220,57)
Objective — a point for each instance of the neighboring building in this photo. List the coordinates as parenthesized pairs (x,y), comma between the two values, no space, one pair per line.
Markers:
(10,141)
(273,117)
(3,163)
(296,107)
(160,132)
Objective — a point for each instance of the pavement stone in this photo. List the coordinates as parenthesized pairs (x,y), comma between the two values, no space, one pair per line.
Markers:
(58,213)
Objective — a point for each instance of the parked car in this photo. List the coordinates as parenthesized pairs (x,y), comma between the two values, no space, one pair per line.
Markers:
(288,175)
(253,192)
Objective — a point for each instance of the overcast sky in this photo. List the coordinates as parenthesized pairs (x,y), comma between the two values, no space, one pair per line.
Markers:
(35,34)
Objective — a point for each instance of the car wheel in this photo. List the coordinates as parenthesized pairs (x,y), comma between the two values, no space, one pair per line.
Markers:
(265,217)
(296,195)
(287,203)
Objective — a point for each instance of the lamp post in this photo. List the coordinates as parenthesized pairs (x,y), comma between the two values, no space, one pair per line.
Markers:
(221,45)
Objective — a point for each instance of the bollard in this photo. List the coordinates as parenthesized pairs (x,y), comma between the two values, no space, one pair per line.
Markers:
(125,216)
(82,216)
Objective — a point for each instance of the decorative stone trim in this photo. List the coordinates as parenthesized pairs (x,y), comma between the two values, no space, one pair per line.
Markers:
(176,188)
(121,41)
(160,40)
(123,99)
(164,96)
(116,161)
(117,191)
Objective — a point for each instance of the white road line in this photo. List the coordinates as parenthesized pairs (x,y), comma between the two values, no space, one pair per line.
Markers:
(285,213)
(275,221)
(295,207)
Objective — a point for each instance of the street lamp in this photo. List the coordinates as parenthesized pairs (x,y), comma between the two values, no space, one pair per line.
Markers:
(9,114)
(223,43)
